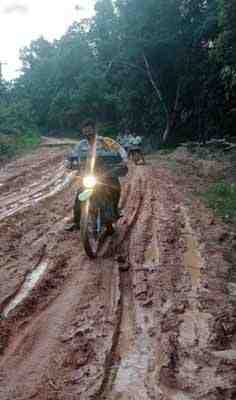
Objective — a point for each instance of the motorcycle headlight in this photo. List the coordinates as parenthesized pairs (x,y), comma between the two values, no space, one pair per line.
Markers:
(89,181)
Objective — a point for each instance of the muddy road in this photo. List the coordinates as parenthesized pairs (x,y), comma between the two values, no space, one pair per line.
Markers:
(152,318)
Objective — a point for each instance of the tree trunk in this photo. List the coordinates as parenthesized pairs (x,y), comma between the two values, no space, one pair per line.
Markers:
(171,120)
(158,92)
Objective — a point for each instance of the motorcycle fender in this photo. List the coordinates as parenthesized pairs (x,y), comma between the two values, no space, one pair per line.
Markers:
(85,195)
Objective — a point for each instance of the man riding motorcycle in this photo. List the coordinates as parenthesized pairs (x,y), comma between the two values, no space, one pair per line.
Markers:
(91,145)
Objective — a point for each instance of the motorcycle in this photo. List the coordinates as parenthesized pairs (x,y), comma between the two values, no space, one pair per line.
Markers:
(97,208)
(72,162)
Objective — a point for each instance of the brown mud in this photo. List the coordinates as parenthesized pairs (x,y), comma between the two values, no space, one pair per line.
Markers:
(152,318)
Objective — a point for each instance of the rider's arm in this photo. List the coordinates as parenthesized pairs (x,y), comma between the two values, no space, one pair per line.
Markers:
(82,146)
(79,149)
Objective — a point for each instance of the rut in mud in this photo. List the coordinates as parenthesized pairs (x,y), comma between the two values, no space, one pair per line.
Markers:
(151,318)
(44,179)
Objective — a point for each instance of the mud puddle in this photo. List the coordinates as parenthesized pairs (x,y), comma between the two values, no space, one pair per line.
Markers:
(172,394)
(156,331)
(30,281)
(192,257)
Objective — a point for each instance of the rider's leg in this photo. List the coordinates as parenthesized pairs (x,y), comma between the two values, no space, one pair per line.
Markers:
(77,210)
(115,194)
(75,225)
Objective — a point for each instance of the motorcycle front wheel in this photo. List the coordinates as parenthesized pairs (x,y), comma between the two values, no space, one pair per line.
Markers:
(90,229)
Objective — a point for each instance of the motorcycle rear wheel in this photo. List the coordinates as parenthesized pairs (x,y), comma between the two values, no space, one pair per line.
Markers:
(138,158)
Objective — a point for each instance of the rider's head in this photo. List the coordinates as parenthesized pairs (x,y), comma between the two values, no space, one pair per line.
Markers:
(89,129)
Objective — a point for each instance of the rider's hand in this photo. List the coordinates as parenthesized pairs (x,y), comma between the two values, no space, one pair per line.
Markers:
(79,179)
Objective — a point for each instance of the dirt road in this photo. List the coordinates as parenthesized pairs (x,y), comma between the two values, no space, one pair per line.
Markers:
(152,318)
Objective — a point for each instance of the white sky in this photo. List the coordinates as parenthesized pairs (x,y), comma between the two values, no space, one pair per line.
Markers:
(24,20)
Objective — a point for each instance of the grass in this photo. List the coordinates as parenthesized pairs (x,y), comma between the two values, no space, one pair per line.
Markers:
(221,197)
(28,140)
(166,149)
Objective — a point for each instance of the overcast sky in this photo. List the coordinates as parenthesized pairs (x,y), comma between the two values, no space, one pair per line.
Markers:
(24,20)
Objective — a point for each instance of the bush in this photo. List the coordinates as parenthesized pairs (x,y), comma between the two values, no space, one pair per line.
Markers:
(28,140)
(12,145)
(221,197)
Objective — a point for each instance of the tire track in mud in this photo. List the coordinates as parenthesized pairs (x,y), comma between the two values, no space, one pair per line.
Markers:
(14,205)
(176,358)
(30,280)
(85,308)
(43,181)
(29,300)
(185,367)
(29,169)
(27,232)
(35,181)
(129,325)
(66,345)
(125,375)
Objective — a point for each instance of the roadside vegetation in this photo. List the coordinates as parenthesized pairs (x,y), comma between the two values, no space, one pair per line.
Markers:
(221,197)
(18,130)
(164,68)
(17,144)
(207,171)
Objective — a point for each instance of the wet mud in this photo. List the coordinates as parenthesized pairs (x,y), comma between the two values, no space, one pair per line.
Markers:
(153,317)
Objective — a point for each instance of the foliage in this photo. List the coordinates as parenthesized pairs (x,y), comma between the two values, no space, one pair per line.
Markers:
(164,68)
(17,144)
(221,197)
(18,131)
